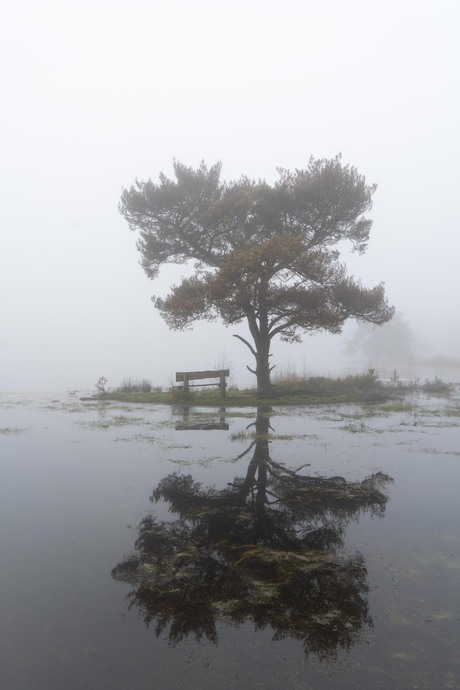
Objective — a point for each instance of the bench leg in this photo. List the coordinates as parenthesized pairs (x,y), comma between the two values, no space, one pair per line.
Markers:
(222,386)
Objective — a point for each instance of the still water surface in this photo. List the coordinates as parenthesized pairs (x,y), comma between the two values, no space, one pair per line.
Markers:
(77,478)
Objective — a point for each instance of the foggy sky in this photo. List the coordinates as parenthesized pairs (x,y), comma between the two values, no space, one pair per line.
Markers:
(98,93)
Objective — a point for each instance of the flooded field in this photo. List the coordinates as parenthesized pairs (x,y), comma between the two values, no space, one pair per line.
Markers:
(300,548)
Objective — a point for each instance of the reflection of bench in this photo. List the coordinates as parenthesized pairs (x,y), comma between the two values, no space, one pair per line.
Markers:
(200,423)
(186,376)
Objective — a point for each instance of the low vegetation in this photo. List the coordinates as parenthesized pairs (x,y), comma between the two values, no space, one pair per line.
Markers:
(287,389)
(437,386)
(130,385)
(349,388)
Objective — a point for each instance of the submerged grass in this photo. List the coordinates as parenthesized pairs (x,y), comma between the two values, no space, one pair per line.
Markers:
(12,431)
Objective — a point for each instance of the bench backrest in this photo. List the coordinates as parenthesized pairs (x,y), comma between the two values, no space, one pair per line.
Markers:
(196,375)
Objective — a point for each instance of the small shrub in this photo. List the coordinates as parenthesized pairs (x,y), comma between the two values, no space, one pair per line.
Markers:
(100,385)
(437,385)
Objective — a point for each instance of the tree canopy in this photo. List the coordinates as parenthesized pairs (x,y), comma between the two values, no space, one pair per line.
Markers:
(264,254)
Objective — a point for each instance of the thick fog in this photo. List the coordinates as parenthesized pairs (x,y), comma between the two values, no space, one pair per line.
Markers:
(98,93)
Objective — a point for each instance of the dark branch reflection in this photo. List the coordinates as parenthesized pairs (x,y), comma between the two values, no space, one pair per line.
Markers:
(265,549)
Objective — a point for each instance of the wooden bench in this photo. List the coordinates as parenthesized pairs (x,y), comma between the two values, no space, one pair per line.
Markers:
(186,376)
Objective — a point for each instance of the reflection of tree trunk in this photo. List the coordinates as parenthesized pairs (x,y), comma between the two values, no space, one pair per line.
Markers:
(255,481)
(256,475)
(261,494)
(261,456)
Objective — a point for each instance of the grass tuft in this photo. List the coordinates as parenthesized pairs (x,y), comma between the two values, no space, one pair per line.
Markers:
(361,387)
(130,385)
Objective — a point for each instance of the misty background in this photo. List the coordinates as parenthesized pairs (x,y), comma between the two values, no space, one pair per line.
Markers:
(97,94)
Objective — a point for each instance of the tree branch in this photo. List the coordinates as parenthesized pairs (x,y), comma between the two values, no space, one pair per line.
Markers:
(243,340)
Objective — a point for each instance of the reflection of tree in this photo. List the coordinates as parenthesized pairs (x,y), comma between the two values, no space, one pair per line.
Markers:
(263,549)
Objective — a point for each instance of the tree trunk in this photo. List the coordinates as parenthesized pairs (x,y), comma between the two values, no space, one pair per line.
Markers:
(260,350)
(263,367)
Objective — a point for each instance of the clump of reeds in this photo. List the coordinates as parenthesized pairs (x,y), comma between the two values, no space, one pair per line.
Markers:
(291,383)
(130,385)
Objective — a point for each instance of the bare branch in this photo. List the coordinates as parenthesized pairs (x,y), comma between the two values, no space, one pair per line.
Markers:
(243,340)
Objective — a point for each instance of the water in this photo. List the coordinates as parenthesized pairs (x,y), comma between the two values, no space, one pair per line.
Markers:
(76,482)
